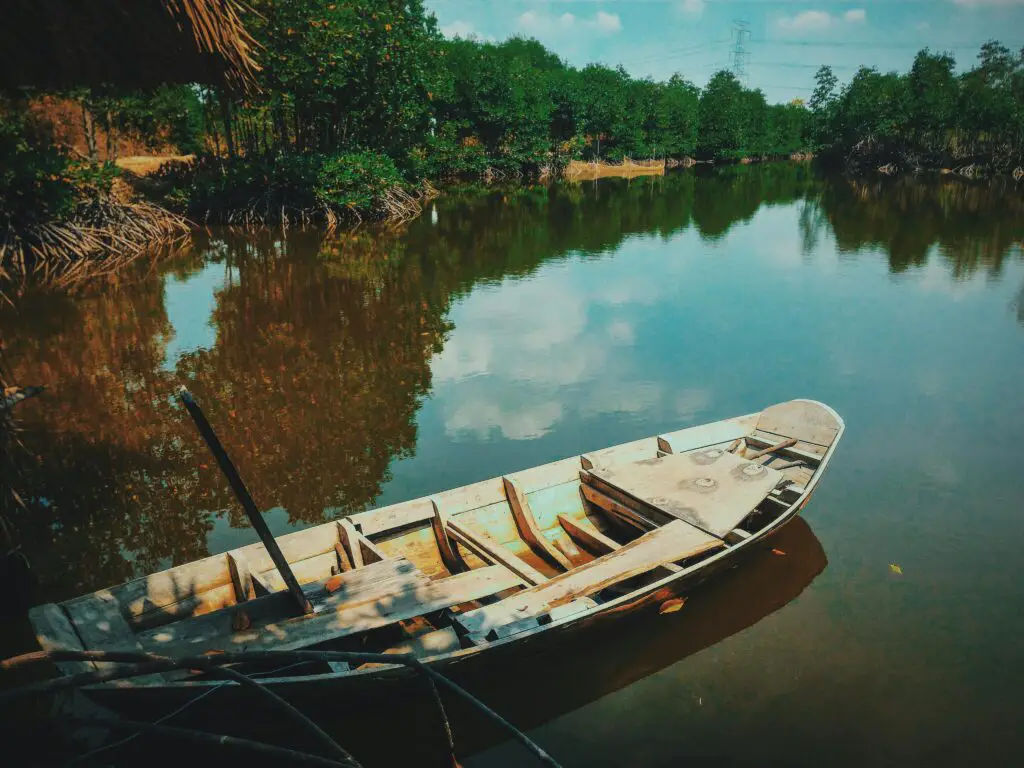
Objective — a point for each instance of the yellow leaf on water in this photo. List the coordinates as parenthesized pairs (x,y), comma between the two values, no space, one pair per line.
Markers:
(671,606)
(895,569)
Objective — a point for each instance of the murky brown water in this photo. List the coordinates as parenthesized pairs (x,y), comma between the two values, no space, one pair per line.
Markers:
(508,328)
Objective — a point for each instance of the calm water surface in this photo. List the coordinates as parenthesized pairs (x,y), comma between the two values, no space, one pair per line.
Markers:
(508,328)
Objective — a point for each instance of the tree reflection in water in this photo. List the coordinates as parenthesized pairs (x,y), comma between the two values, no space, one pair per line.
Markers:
(322,349)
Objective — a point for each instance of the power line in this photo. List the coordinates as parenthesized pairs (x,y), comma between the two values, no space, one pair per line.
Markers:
(677,52)
(851,44)
(792,65)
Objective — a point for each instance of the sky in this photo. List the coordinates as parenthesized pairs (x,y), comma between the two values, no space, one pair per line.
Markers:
(787,40)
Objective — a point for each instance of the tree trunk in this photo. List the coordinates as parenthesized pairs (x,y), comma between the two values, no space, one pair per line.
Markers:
(225,111)
(89,129)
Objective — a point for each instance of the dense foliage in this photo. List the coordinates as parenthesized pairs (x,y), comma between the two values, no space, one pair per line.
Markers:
(261,189)
(357,100)
(930,116)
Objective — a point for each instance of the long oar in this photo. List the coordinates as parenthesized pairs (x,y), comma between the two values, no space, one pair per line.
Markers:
(242,493)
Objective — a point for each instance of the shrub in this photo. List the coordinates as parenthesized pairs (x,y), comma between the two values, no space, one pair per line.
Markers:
(35,181)
(448,155)
(265,189)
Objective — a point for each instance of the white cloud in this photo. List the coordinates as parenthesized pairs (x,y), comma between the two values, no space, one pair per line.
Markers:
(690,402)
(692,7)
(922,26)
(815,21)
(807,20)
(458,28)
(543,23)
(609,22)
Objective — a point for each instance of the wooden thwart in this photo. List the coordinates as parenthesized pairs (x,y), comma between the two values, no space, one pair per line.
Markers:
(587,535)
(527,525)
(247,582)
(490,551)
(449,551)
(675,541)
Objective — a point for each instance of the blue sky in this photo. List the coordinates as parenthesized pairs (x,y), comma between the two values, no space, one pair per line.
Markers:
(788,38)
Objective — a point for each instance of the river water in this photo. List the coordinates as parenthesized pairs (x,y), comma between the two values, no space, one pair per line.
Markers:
(511,327)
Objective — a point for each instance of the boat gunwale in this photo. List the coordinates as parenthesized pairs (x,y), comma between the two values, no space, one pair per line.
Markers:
(566,622)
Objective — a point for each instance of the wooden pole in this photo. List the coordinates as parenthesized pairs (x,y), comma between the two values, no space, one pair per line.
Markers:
(242,493)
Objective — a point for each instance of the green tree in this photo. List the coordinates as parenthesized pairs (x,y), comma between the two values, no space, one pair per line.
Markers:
(722,117)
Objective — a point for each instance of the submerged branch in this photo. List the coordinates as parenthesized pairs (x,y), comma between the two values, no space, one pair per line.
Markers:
(148,663)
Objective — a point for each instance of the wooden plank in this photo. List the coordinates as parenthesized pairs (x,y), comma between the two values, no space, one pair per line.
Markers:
(637,450)
(392,517)
(345,619)
(354,587)
(158,590)
(488,550)
(546,475)
(710,489)
(572,608)
(344,561)
(610,499)
(371,553)
(102,627)
(586,535)
(349,537)
(675,541)
(527,525)
(55,632)
(311,569)
(187,583)
(449,552)
(247,583)
(804,420)
(795,451)
(703,436)
(547,504)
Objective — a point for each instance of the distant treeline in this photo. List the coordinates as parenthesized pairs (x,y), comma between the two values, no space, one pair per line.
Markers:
(929,117)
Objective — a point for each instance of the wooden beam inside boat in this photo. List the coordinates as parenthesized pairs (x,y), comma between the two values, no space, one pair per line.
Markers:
(794,451)
(247,582)
(586,535)
(490,551)
(617,508)
(527,525)
(672,542)
(449,552)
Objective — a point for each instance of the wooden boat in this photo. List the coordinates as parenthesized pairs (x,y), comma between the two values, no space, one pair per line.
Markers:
(482,571)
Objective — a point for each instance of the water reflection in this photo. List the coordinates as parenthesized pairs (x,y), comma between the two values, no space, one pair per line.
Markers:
(583,314)
(974,225)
